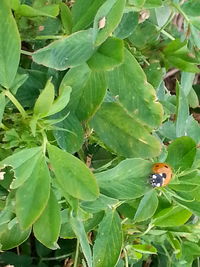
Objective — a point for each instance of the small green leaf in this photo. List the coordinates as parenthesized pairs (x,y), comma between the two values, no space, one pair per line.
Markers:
(123,132)
(108,243)
(66,18)
(61,101)
(2,105)
(33,195)
(127,25)
(109,55)
(9,45)
(70,135)
(45,100)
(182,112)
(67,52)
(47,228)
(128,180)
(145,248)
(181,153)
(46,11)
(193,206)
(13,237)
(78,228)
(72,175)
(147,206)
(191,8)
(173,216)
(111,12)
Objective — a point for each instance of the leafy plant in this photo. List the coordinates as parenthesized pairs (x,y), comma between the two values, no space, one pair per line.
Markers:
(92,94)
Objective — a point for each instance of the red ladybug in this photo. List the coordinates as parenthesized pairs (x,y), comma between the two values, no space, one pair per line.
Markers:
(161,174)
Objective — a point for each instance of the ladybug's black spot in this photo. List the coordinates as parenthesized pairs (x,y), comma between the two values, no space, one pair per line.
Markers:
(166,167)
(156,180)
(164,175)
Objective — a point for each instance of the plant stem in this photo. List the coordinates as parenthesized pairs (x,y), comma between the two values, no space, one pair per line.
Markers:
(56,258)
(77,254)
(126,258)
(16,103)
(24,52)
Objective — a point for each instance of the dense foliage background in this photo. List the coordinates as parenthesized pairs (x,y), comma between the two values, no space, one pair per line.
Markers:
(92,94)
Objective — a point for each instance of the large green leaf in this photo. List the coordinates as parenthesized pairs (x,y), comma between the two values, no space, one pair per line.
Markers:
(108,242)
(123,133)
(173,216)
(181,153)
(110,13)
(193,206)
(23,164)
(67,52)
(109,55)
(46,11)
(9,45)
(79,230)
(92,95)
(147,206)
(13,237)
(128,82)
(47,228)
(83,13)
(128,180)
(72,175)
(33,195)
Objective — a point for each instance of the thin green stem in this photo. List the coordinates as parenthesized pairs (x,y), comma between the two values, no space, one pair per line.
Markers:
(53,37)
(77,254)
(126,258)
(56,258)
(27,53)
(16,103)
(45,141)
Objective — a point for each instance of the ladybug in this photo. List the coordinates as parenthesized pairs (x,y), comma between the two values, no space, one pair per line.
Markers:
(161,174)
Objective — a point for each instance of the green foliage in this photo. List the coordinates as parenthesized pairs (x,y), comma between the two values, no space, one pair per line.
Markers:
(92,94)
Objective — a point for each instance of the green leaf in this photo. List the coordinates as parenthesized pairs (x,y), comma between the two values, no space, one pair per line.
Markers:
(45,100)
(30,199)
(193,206)
(123,133)
(78,228)
(61,101)
(83,73)
(111,12)
(182,112)
(181,153)
(128,180)
(84,12)
(173,216)
(2,105)
(9,45)
(108,242)
(191,8)
(147,206)
(66,18)
(92,95)
(145,249)
(70,135)
(46,11)
(127,25)
(13,237)
(23,164)
(109,55)
(67,52)
(72,175)
(128,82)
(47,228)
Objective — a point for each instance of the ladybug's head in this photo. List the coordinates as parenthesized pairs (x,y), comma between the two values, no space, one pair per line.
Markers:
(157,179)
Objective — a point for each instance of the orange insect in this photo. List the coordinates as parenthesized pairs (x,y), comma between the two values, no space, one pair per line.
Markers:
(161,174)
